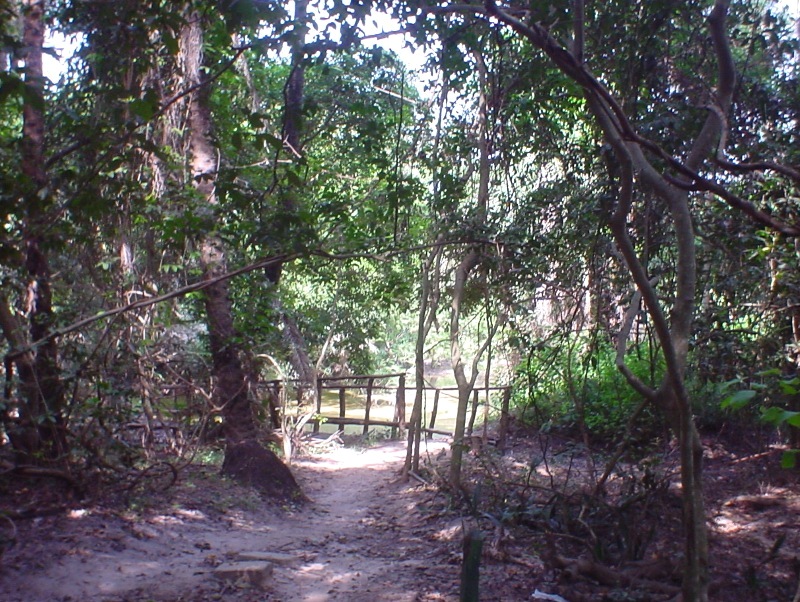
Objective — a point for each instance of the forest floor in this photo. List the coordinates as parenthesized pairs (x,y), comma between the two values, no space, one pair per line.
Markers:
(365,535)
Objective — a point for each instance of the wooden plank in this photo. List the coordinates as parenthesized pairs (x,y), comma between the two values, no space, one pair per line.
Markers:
(362,377)
(375,387)
(370,382)
(359,421)
(437,432)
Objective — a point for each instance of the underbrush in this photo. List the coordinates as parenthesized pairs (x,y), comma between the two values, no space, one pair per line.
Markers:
(550,498)
(575,389)
(578,390)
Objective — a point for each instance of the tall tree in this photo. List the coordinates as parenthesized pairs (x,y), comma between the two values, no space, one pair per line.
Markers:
(39,428)
(472,259)
(245,459)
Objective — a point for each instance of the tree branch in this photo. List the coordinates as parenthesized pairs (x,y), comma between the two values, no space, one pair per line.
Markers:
(19,349)
(179,292)
(622,343)
(714,126)
(569,65)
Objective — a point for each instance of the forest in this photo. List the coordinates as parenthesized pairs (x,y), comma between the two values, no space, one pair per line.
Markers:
(572,219)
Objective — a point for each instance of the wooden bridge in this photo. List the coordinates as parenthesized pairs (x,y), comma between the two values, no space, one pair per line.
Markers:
(374,388)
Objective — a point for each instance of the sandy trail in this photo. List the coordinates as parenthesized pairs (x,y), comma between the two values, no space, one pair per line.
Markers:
(363,532)
(360,539)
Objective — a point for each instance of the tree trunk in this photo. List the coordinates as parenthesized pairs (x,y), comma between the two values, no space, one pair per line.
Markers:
(463,271)
(245,459)
(40,428)
(428,305)
(230,378)
(464,385)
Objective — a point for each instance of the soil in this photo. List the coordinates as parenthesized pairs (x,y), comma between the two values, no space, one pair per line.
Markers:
(366,535)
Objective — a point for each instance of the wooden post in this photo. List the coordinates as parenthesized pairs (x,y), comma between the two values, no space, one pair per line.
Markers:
(474,412)
(470,567)
(370,382)
(400,405)
(504,418)
(432,423)
(342,406)
(319,403)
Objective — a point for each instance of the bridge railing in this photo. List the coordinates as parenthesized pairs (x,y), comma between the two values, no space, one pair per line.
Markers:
(359,382)
(371,385)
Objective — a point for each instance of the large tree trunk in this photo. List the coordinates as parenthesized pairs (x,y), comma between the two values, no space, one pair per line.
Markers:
(245,459)
(39,431)
(231,381)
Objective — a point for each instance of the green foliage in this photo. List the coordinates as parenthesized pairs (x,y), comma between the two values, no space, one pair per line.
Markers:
(352,302)
(373,176)
(577,382)
(769,392)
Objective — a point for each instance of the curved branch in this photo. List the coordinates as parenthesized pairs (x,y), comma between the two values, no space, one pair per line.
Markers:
(627,155)
(716,122)
(784,170)
(578,72)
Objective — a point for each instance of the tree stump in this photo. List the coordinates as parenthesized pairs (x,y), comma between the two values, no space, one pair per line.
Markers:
(251,464)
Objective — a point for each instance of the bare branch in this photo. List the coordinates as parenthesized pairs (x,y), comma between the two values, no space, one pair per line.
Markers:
(622,343)
(784,170)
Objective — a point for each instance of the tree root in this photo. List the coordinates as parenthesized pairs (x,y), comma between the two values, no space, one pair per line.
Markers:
(581,567)
(53,473)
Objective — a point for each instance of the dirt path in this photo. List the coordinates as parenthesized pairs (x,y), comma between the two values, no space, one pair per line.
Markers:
(360,539)
(367,541)
(366,537)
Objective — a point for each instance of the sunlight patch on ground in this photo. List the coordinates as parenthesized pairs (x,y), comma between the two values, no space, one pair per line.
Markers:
(344,458)
(166,519)
(191,514)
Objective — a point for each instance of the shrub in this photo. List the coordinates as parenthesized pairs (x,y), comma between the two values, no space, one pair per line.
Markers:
(562,385)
